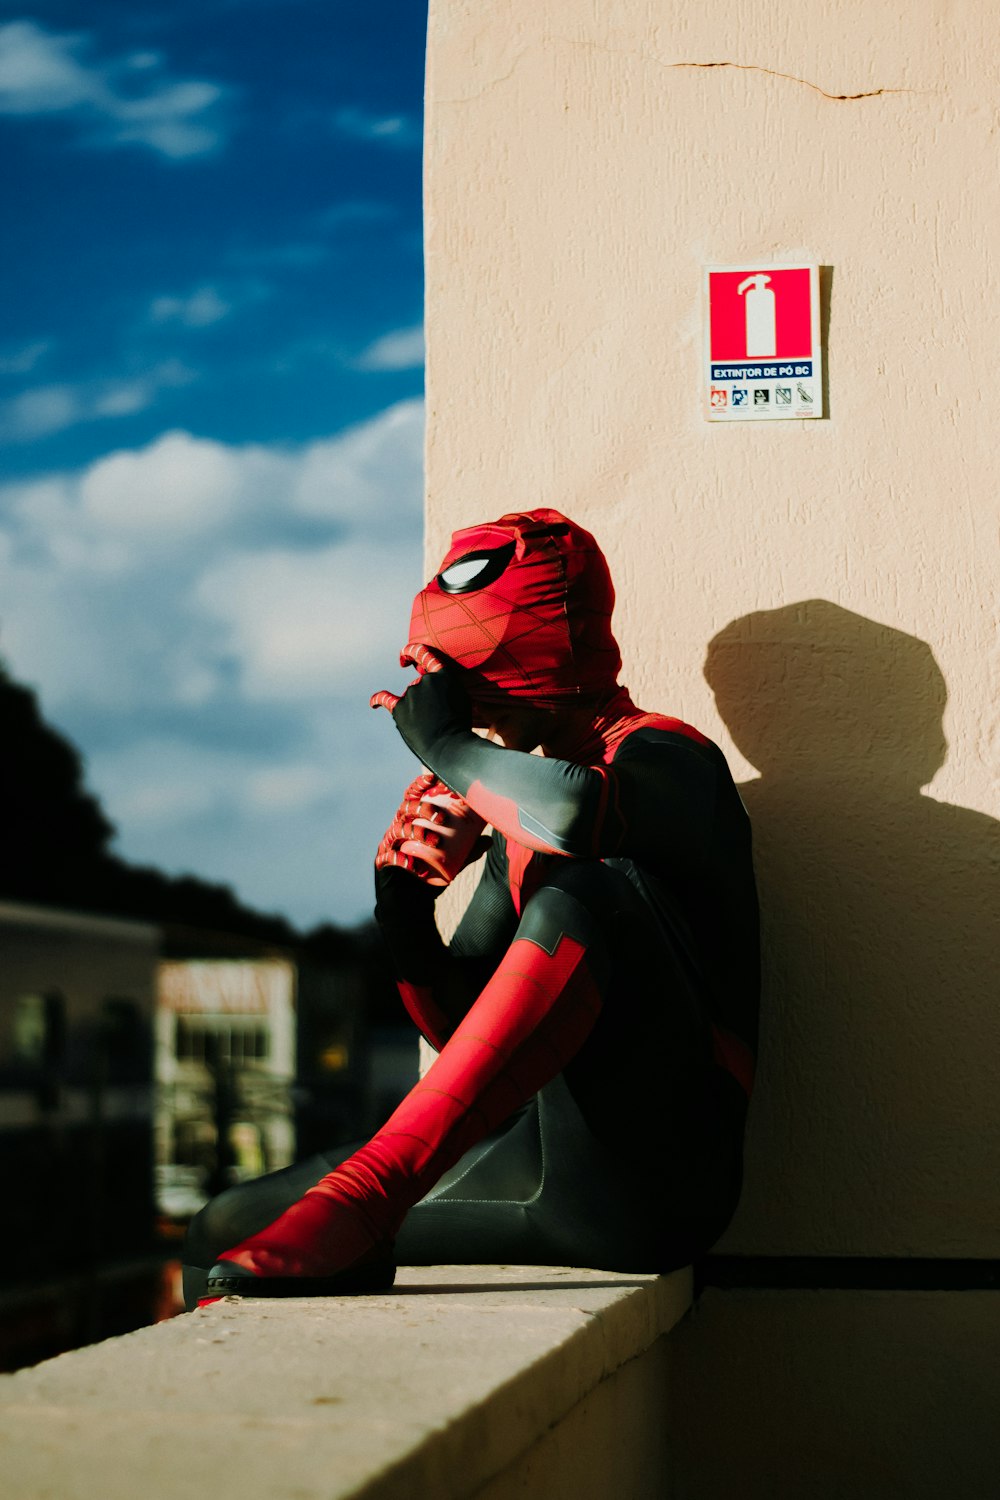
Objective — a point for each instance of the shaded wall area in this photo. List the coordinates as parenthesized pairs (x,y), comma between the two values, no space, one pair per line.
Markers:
(875,1129)
(834,1395)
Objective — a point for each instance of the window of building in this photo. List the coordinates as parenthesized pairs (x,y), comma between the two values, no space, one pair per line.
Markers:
(236,1045)
(38,1031)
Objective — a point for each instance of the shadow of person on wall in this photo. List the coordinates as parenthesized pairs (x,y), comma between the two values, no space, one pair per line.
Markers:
(876,1127)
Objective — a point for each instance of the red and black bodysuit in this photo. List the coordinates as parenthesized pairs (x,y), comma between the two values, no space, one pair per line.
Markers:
(595,1011)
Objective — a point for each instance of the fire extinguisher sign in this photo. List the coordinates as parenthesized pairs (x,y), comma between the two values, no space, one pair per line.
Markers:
(763,358)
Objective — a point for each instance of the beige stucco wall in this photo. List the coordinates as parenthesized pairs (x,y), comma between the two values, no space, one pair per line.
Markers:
(584,163)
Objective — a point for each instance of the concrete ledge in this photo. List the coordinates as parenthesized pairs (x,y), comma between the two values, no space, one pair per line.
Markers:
(440,1388)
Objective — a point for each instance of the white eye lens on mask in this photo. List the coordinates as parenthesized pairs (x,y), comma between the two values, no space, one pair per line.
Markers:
(475,570)
(462,573)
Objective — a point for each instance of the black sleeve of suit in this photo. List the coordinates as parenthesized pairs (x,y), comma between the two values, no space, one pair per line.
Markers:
(658,794)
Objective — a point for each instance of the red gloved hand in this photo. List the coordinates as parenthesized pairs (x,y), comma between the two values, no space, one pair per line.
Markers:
(420,657)
(434,835)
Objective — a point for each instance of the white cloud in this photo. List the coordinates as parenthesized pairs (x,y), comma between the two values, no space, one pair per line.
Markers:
(178,484)
(298,837)
(149,804)
(207,621)
(389,130)
(21,360)
(199,309)
(180,489)
(355,212)
(192,782)
(306,625)
(40,412)
(45,516)
(38,71)
(291,255)
(358,474)
(43,410)
(57,638)
(400,350)
(123,399)
(44,72)
(168,571)
(281,789)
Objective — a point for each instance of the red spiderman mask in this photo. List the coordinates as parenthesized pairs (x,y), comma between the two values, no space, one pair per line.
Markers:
(524,605)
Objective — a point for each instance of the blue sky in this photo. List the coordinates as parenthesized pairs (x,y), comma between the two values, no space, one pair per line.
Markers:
(211,419)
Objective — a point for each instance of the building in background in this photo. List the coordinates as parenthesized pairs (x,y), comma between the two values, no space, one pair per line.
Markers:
(225,1070)
(77,996)
(145,1067)
(268,1055)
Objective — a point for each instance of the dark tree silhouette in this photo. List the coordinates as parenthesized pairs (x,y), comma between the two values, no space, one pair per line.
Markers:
(55,834)
(55,847)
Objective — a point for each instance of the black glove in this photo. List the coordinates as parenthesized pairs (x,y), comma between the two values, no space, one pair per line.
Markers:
(433,710)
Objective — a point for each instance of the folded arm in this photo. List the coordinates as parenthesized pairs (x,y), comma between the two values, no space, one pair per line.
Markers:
(415,861)
(659,792)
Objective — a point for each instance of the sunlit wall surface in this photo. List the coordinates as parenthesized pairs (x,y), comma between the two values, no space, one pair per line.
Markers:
(820,597)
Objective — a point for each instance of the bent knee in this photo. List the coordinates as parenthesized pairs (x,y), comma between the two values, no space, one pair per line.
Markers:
(248,1208)
(580,899)
(213,1228)
(586,891)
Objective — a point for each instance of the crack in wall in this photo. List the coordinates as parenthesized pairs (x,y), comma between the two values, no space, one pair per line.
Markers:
(791,78)
(641,56)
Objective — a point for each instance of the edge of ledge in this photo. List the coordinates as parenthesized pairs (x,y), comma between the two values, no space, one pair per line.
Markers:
(491,1434)
(433,1388)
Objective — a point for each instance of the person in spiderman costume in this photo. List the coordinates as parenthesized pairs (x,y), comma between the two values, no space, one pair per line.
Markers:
(595,1012)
